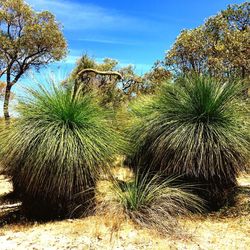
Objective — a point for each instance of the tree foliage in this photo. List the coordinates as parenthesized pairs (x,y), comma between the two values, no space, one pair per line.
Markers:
(220,47)
(154,79)
(27,40)
(115,85)
(98,78)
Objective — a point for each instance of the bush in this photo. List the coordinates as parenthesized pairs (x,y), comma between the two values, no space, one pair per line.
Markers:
(193,128)
(56,149)
(152,202)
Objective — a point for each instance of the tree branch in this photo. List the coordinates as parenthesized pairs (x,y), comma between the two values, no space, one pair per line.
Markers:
(2,72)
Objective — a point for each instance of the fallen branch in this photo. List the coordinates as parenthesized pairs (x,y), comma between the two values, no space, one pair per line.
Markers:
(9,206)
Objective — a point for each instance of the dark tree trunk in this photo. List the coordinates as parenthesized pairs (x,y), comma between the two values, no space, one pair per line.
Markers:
(6,103)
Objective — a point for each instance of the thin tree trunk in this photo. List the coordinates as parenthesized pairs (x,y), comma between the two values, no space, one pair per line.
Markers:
(6,103)
(243,75)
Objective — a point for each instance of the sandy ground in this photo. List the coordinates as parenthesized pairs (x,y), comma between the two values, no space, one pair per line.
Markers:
(228,229)
(5,185)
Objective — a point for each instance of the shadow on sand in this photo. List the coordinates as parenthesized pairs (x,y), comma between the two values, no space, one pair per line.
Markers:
(10,210)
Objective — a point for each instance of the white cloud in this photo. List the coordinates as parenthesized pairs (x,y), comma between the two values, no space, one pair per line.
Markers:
(140,68)
(82,16)
(106,41)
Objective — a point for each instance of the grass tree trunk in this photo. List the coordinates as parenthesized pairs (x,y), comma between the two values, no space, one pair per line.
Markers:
(6,103)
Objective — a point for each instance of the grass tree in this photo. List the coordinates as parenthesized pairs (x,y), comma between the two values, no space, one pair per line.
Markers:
(193,128)
(56,149)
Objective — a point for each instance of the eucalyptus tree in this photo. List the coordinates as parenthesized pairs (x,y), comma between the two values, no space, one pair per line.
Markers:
(28,39)
(219,47)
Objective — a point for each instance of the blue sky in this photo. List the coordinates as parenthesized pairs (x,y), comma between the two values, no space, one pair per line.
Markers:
(133,32)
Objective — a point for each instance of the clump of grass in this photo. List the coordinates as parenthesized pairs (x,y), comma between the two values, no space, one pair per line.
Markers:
(56,149)
(151,201)
(193,128)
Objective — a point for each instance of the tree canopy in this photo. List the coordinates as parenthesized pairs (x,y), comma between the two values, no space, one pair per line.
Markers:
(27,40)
(115,85)
(220,47)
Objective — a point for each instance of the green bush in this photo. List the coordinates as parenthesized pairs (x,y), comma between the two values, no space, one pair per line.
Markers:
(56,149)
(153,202)
(193,128)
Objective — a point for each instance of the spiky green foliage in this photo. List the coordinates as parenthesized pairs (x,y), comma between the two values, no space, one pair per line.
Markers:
(154,202)
(56,148)
(193,128)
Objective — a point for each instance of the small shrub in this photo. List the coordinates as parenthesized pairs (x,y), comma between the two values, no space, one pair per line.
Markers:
(152,202)
(55,150)
(193,128)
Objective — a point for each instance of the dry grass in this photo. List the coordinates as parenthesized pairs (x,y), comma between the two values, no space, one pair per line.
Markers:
(226,229)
